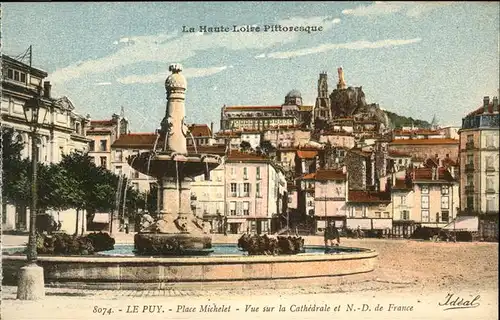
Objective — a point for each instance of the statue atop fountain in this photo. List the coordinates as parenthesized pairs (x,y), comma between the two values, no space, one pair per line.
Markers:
(177,231)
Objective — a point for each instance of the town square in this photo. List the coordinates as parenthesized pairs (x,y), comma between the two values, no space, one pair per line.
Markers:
(173,168)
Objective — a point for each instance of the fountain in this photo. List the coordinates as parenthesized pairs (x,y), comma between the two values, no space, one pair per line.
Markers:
(174,249)
(177,231)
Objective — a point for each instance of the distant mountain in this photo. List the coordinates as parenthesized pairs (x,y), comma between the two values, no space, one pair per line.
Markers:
(398,121)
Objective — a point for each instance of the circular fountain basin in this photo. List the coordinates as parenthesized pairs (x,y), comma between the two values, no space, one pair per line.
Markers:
(169,164)
(156,273)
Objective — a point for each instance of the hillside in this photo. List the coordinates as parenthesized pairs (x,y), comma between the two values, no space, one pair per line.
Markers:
(398,121)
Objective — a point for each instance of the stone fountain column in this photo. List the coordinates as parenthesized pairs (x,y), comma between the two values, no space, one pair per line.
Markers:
(168,198)
(178,231)
(174,126)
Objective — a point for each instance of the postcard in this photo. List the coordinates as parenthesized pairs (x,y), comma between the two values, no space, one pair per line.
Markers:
(227,160)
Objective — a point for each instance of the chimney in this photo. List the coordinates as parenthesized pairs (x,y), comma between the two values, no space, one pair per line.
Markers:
(393,178)
(433,173)
(212,128)
(495,104)
(486,102)
(344,169)
(46,89)
(437,173)
(452,171)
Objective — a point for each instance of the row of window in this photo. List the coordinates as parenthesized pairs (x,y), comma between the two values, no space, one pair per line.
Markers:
(103,145)
(491,204)
(490,140)
(444,189)
(243,189)
(443,217)
(445,202)
(490,182)
(16,75)
(246,173)
(239,208)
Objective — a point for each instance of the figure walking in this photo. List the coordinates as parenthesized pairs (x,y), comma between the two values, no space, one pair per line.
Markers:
(332,236)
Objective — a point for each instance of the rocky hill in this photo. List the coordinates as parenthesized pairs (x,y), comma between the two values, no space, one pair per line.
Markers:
(398,121)
(351,102)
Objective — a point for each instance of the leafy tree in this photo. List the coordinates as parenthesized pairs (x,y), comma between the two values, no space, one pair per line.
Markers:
(15,180)
(267,148)
(94,187)
(245,146)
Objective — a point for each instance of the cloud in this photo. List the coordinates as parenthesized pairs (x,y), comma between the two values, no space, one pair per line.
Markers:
(410,9)
(102,84)
(160,77)
(356,45)
(375,9)
(169,48)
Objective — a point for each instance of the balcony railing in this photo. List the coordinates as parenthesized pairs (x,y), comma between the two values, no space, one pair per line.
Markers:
(491,147)
(469,167)
(490,190)
(490,169)
(469,189)
(469,145)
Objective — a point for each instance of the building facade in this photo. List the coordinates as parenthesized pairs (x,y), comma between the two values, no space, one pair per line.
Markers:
(254,193)
(291,113)
(62,131)
(479,164)
(330,196)
(102,134)
(436,196)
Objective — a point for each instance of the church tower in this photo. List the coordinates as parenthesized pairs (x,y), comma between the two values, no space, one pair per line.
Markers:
(322,108)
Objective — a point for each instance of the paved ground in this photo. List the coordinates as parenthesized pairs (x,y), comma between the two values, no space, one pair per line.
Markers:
(407,270)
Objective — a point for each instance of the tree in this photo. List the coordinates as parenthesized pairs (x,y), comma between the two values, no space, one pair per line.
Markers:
(245,146)
(267,148)
(94,187)
(15,180)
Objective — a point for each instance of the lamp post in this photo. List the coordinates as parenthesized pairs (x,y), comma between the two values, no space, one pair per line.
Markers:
(31,282)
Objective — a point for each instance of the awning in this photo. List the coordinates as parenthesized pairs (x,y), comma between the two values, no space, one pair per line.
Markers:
(381,224)
(362,223)
(101,218)
(463,223)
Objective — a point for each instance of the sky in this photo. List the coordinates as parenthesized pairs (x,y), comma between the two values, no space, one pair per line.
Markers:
(417,59)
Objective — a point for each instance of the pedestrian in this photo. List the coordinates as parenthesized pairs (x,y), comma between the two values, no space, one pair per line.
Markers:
(331,234)
(126,228)
(225,226)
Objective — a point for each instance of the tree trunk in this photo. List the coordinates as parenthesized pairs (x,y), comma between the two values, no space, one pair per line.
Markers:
(83,223)
(77,218)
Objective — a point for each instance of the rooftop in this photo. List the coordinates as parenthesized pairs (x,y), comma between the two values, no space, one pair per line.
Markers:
(303,154)
(425,175)
(102,122)
(249,108)
(480,110)
(401,184)
(200,130)
(244,156)
(416,132)
(322,175)
(369,196)
(395,153)
(444,141)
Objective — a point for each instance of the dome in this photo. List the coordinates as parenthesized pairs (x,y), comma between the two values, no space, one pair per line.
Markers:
(294,94)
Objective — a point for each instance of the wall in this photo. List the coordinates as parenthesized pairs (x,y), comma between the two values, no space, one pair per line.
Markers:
(428,150)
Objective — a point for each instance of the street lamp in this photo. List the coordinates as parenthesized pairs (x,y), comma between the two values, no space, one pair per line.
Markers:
(31,282)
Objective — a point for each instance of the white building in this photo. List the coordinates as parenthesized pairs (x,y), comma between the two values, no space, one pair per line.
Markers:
(62,131)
